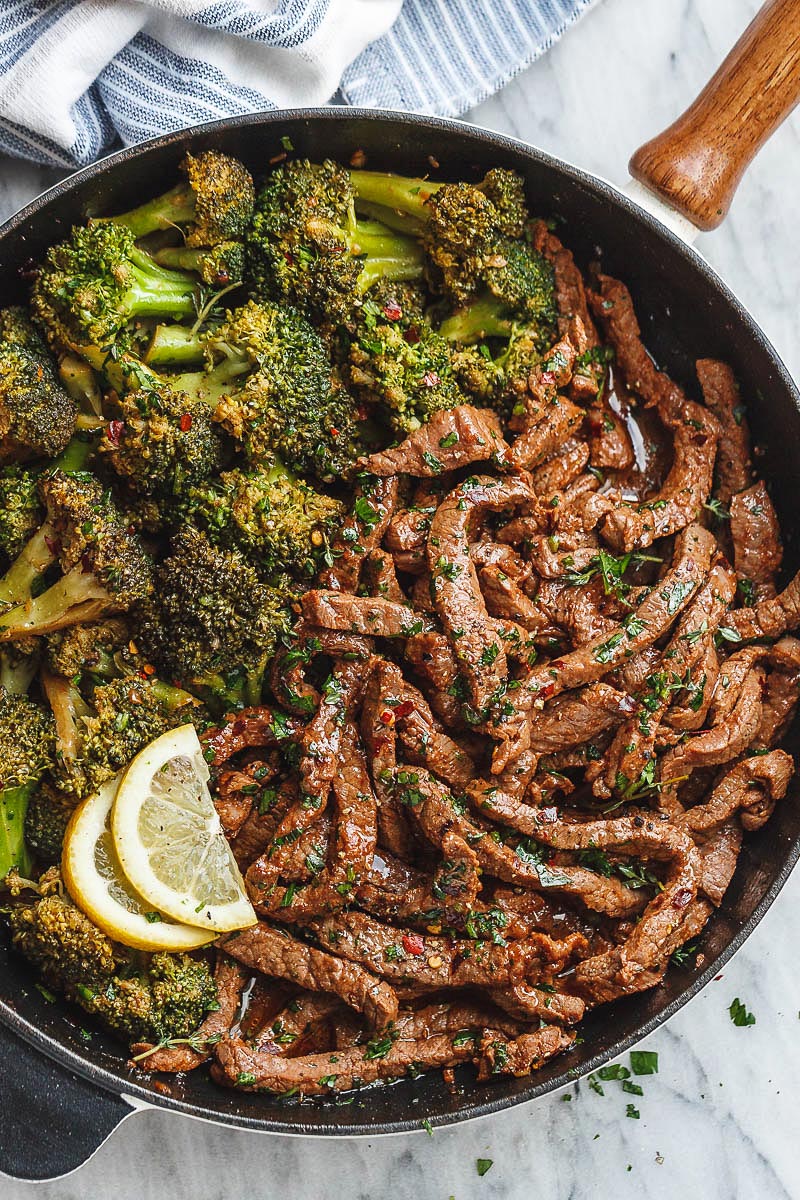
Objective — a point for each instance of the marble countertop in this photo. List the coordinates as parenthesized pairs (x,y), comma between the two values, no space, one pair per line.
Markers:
(719,1121)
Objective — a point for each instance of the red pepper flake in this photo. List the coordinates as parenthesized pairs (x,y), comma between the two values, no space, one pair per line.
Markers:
(430,379)
(186,422)
(411,335)
(334,431)
(114,431)
(547,691)
(358,158)
(402,710)
(289,258)
(392,311)
(386,717)
(223,277)
(682,897)
(413,944)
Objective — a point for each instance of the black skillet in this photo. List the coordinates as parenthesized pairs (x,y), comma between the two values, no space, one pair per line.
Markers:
(78,1089)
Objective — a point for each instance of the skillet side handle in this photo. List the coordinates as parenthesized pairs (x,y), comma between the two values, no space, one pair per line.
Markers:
(696,164)
(51,1121)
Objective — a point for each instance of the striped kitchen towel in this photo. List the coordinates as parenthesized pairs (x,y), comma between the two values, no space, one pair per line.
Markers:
(78,78)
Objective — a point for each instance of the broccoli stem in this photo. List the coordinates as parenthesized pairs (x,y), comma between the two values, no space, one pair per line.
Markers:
(394,191)
(13,807)
(75,455)
(401,222)
(175,207)
(174,346)
(483,318)
(30,564)
(79,380)
(76,596)
(17,673)
(154,291)
(172,698)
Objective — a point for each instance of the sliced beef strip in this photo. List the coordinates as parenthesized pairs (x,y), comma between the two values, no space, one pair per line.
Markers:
(434,961)
(379,577)
(371,615)
(534,396)
(561,421)
(680,499)
(734,468)
(380,739)
(289,666)
(723,741)
(352,845)
(782,691)
(435,809)
(259,829)
(250,727)
(719,849)
(651,618)
(504,598)
(685,658)
(743,787)
(409,528)
(454,581)
(299,1026)
(769,618)
(522,1055)
(613,307)
(576,609)
(377,498)
(276,954)
(532,1004)
(577,718)
(451,439)
(239,1065)
(562,469)
(641,959)
(432,658)
(757,551)
(230,979)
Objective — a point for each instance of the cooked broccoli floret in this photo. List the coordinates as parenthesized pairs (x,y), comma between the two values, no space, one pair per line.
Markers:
(59,941)
(270,375)
(278,522)
(142,998)
(210,623)
(307,247)
(37,416)
(472,235)
(213,205)
(98,736)
(97,281)
(49,813)
(99,649)
(104,567)
(21,510)
(398,360)
(218,266)
(27,750)
(17,328)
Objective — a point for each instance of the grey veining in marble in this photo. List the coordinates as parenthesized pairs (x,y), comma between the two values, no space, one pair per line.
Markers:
(720,1121)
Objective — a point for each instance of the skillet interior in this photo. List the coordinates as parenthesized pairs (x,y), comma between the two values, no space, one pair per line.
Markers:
(685,313)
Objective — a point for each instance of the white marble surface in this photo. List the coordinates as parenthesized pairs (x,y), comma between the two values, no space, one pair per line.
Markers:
(719,1122)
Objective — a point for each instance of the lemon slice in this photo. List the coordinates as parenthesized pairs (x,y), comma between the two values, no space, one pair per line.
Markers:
(169,839)
(95,881)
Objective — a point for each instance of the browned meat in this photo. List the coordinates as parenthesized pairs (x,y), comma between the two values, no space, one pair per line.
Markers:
(282,957)
(531,1004)
(409,527)
(289,666)
(562,469)
(241,1066)
(734,469)
(363,614)
(454,581)
(259,828)
(782,691)
(378,499)
(230,979)
(578,717)
(744,788)
(253,727)
(451,439)
(757,551)
(522,1055)
(680,499)
(770,618)
(725,740)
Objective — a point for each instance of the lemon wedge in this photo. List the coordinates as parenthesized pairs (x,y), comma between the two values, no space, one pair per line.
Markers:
(169,839)
(94,880)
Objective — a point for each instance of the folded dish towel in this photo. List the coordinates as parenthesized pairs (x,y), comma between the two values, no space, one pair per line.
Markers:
(76,78)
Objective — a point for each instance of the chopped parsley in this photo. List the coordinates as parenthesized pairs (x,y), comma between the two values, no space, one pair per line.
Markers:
(739,1013)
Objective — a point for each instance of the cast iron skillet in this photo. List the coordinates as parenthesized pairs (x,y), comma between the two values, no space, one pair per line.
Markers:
(686,312)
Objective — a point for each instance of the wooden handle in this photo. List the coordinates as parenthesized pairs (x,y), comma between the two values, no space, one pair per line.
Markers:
(697,163)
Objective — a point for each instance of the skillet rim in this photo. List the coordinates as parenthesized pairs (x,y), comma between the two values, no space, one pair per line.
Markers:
(114,1082)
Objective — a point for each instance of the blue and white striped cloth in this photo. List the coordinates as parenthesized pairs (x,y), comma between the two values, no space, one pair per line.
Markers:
(77,78)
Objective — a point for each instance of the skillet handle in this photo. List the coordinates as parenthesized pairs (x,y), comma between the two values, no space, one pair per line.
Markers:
(51,1121)
(696,164)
